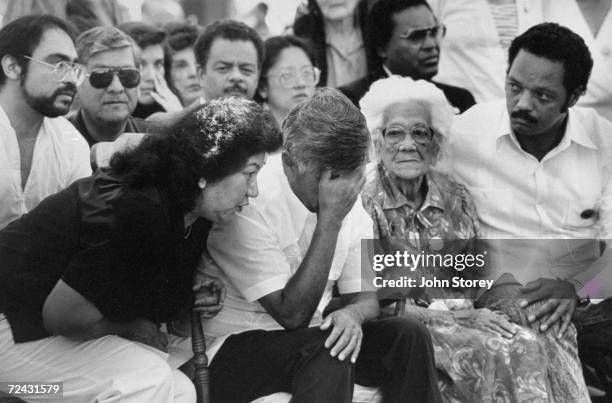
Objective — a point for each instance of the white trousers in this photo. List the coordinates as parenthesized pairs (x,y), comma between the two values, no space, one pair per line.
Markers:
(109,369)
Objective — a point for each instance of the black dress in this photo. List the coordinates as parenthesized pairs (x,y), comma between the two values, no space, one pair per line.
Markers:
(125,251)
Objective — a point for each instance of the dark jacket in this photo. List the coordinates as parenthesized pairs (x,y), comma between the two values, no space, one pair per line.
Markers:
(133,125)
(460,98)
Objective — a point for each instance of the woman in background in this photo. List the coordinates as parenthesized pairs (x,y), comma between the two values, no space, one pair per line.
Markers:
(288,75)
(337,29)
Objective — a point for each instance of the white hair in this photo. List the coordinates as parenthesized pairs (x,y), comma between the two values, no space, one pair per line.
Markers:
(393,90)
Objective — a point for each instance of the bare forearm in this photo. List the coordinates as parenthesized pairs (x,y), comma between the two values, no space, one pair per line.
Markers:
(297,302)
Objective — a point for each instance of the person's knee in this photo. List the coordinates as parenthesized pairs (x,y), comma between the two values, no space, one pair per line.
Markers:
(152,381)
(184,391)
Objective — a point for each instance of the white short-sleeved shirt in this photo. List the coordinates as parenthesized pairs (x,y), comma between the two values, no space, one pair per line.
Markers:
(61,156)
(263,246)
(566,196)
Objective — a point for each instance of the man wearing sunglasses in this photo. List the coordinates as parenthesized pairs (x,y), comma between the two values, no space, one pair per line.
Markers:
(404,40)
(41,153)
(109,91)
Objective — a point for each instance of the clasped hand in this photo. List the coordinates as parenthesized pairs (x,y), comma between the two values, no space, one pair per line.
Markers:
(209,295)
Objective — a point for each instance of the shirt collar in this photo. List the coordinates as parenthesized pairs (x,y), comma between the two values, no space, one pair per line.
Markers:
(392,198)
(387,71)
(574,131)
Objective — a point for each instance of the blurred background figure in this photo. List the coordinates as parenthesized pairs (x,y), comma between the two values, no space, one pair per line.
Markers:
(180,63)
(478,35)
(154,96)
(592,20)
(83,14)
(288,75)
(258,15)
(336,27)
(162,12)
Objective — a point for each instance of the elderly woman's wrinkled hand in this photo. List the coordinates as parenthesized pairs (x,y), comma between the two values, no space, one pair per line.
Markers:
(485,319)
(209,295)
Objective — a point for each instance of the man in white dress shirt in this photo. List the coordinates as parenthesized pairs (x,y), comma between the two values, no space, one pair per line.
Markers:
(280,258)
(540,170)
(41,152)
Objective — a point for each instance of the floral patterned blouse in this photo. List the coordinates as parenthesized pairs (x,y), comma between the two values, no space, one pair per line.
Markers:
(447,212)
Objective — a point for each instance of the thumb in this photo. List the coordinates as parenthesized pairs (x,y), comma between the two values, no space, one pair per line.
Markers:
(534,285)
(326,323)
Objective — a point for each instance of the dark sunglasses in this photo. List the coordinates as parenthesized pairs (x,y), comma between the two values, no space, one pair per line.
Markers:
(129,78)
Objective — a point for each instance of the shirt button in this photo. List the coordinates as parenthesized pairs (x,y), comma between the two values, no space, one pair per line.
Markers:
(606,51)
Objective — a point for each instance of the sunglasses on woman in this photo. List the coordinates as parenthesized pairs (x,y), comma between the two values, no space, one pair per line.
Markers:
(128,77)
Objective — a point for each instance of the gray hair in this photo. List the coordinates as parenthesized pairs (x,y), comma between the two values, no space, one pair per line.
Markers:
(101,39)
(396,90)
(327,131)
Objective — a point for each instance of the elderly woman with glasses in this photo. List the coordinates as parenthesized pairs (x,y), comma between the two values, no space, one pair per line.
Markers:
(481,354)
(288,75)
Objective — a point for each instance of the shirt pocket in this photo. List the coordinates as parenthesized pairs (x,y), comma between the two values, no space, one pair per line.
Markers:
(581,217)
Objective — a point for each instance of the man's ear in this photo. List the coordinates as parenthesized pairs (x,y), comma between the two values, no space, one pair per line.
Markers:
(10,67)
(289,164)
(202,183)
(574,96)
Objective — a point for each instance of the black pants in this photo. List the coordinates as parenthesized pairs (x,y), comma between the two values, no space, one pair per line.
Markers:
(396,354)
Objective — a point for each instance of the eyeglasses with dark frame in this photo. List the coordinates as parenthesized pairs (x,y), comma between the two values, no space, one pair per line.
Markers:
(417,36)
(421,134)
(102,78)
(289,78)
(62,69)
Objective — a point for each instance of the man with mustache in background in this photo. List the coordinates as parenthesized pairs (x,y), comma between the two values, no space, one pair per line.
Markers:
(229,56)
(40,151)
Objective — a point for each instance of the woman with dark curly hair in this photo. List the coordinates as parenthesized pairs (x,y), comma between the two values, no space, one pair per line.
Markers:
(88,275)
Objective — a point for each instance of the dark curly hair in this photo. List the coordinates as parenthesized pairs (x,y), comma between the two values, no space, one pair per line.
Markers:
(232,31)
(211,142)
(560,44)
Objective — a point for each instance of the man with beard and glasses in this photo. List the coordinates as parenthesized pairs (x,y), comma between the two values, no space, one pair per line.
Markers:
(540,172)
(109,93)
(229,56)
(41,153)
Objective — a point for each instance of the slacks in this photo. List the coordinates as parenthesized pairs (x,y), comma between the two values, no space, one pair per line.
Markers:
(109,369)
(396,355)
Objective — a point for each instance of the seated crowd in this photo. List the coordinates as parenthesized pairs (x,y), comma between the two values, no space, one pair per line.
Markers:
(256,182)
